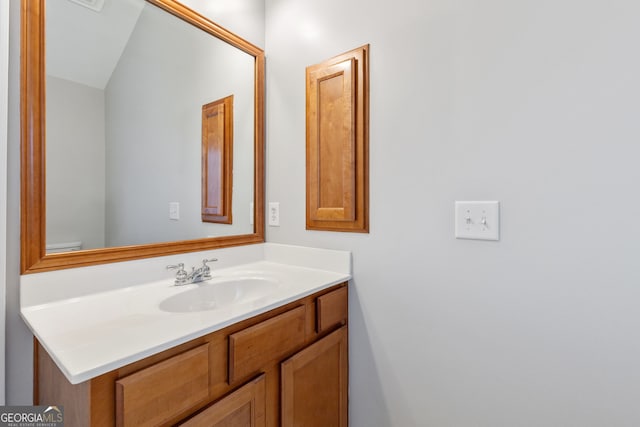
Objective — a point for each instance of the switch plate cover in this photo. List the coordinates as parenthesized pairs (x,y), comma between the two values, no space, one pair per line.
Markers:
(274,214)
(174,210)
(477,220)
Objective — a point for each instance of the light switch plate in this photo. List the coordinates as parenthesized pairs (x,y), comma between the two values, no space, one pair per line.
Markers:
(274,214)
(477,220)
(174,211)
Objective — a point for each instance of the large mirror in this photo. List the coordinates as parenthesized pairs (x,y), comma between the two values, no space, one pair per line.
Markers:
(122,84)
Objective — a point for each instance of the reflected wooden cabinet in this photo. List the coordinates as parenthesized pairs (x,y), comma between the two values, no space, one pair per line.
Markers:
(217,161)
(286,367)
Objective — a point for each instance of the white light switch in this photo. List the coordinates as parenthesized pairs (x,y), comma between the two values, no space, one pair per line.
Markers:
(174,210)
(274,214)
(478,220)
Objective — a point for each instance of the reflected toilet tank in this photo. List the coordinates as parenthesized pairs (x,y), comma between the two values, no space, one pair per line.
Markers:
(53,248)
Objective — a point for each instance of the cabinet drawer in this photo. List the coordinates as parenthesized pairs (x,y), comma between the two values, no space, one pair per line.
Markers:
(254,348)
(332,309)
(160,392)
(244,407)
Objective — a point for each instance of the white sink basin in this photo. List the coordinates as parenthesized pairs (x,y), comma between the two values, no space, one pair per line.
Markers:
(220,294)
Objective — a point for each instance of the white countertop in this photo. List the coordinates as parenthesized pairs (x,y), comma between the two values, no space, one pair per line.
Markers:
(92,334)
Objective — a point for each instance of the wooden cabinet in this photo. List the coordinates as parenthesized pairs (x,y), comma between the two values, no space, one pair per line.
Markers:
(244,407)
(158,393)
(265,343)
(285,367)
(337,143)
(314,384)
(331,310)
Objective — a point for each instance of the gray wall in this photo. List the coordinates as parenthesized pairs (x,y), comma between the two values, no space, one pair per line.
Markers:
(19,344)
(4,100)
(533,103)
(154,128)
(243,17)
(75,163)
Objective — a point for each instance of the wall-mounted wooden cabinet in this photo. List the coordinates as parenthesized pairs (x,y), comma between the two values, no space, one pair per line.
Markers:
(338,143)
(283,368)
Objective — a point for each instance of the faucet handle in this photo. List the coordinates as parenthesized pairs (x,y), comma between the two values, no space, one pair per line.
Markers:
(176,266)
(206,270)
(181,276)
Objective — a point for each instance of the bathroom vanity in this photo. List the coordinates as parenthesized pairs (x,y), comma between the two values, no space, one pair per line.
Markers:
(273,352)
(285,367)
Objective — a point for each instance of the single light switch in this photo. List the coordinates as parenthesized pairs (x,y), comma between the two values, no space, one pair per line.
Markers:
(174,210)
(477,220)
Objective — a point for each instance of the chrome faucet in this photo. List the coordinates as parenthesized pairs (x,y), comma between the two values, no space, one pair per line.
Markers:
(202,273)
(195,276)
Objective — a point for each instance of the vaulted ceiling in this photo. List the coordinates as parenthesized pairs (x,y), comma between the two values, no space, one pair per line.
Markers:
(85,46)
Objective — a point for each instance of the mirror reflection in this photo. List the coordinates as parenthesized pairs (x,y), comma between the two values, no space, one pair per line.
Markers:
(125,89)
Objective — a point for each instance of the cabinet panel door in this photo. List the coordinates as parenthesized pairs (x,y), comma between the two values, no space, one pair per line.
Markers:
(163,391)
(337,143)
(255,347)
(244,407)
(332,310)
(315,384)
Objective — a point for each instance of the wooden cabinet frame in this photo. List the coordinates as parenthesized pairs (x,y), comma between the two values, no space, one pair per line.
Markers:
(338,143)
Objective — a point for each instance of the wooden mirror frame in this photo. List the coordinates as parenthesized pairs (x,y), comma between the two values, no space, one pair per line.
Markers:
(33,185)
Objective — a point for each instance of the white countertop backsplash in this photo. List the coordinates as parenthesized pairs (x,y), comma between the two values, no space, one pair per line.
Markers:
(94,319)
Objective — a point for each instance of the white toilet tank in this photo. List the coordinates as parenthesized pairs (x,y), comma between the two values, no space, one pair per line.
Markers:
(53,248)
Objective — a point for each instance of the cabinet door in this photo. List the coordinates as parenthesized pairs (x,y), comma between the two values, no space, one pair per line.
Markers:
(268,342)
(332,310)
(162,392)
(315,384)
(244,407)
